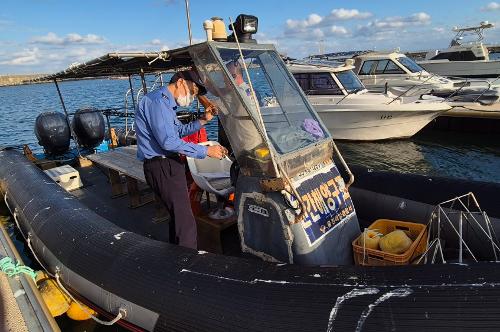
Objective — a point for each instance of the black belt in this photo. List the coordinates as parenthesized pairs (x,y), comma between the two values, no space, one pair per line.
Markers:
(169,155)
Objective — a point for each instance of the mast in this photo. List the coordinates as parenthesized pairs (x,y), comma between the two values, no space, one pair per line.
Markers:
(188,22)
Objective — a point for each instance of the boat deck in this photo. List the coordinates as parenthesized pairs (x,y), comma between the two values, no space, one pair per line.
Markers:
(21,306)
(96,194)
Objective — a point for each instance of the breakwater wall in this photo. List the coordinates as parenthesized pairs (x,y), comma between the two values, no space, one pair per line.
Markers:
(6,80)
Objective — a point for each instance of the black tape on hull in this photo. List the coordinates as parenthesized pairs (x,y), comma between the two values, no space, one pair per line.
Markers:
(192,291)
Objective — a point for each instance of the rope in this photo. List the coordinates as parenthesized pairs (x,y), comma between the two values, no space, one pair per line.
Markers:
(28,241)
(12,269)
(122,313)
(5,200)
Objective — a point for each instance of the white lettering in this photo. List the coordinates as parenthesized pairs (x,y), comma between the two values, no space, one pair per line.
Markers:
(258,210)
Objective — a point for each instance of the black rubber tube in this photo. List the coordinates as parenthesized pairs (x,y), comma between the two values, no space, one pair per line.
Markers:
(428,189)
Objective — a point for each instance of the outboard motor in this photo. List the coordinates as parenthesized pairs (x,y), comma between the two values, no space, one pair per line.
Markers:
(292,204)
(89,127)
(53,133)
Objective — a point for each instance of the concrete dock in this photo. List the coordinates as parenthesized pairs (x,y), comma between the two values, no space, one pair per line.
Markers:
(21,305)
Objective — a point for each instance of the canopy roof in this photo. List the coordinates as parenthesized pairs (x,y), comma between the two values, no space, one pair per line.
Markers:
(125,63)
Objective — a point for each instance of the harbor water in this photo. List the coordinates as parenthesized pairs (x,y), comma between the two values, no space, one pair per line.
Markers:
(472,156)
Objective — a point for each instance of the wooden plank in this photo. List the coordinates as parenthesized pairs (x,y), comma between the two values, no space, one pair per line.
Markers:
(123,160)
(136,197)
(116,184)
(130,149)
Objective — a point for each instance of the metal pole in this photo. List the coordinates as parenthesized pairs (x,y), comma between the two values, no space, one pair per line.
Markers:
(62,101)
(67,116)
(144,87)
(109,132)
(460,251)
(131,90)
(188,22)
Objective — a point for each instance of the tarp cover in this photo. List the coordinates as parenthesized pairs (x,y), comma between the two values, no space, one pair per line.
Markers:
(125,63)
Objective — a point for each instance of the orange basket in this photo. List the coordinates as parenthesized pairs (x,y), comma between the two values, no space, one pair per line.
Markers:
(373,257)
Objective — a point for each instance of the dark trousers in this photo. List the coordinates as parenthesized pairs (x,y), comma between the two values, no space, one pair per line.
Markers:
(167,178)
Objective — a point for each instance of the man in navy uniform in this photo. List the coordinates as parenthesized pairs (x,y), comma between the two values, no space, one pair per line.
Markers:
(159,144)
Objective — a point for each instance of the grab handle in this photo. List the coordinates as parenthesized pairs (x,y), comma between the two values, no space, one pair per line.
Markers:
(342,161)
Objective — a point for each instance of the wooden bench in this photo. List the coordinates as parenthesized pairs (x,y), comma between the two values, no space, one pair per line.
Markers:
(123,161)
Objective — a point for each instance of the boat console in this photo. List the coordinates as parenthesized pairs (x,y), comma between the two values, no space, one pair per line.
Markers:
(291,202)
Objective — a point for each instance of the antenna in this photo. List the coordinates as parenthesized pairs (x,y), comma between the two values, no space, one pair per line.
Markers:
(321,46)
(188,22)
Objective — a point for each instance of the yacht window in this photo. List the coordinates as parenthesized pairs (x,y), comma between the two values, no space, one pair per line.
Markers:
(324,84)
(457,56)
(410,64)
(350,81)
(366,68)
(303,80)
(393,68)
(381,66)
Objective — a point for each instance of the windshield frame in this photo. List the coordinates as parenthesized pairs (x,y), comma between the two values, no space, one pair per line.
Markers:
(407,63)
(215,46)
(344,87)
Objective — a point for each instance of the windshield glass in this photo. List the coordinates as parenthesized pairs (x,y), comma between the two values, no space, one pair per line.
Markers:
(410,64)
(350,81)
(285,115)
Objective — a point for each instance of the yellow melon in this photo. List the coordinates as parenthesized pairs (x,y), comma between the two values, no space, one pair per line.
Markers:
(369,239)
(396,242)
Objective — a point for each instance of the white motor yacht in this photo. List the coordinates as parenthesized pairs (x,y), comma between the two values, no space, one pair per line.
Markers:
(350,112)
(393,71)
(464,59)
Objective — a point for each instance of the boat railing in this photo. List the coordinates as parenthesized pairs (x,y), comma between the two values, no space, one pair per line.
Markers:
(490,83)
(129,92)
(409,89)
(467,83)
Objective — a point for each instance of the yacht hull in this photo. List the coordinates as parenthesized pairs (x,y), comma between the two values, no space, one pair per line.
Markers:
(486,69)
(374,124)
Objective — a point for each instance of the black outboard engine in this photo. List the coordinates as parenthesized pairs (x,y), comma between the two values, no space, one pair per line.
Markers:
(89,127)
(53,133)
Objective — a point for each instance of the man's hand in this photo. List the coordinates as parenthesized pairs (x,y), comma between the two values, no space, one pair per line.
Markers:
(210,109)
(209,113)
(216,151)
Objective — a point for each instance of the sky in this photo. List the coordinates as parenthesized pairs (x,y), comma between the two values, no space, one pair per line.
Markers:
(44,36)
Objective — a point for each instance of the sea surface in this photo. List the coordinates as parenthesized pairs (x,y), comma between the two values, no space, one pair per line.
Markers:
(461,155)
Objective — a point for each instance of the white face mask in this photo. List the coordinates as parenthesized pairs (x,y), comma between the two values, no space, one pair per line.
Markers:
(186,100)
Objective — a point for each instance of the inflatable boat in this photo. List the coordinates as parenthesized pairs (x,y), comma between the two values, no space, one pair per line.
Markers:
(287,262)
(165,287)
